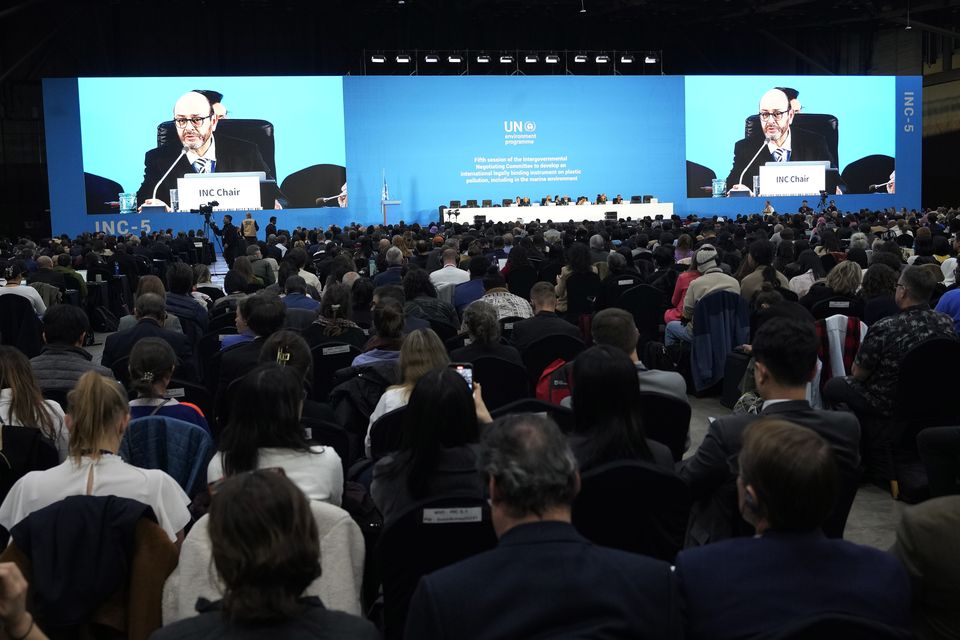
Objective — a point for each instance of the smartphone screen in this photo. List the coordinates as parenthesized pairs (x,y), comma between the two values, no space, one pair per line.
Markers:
(465,369)
(372,264)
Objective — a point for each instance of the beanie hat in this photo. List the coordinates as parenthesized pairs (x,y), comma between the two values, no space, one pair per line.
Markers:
(706,258)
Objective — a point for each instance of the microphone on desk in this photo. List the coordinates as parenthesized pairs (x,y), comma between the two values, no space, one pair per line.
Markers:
(762,146)
(874,187)
(183,152)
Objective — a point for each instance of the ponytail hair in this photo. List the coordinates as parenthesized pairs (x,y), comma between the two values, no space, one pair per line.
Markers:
(95,403)
(151,360)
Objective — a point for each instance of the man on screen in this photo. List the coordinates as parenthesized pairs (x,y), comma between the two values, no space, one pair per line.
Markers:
(783,143)
(195,121)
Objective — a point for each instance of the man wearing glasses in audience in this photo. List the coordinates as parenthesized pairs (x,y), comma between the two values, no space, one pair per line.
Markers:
(784,143)
(195,121)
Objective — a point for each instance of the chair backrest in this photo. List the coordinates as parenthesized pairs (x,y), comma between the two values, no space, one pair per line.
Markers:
(926,372)
(842,305)
(192,329)
(521,280)
(259,132)
(666,420)
(868,170)
(502,381)
(311,186)
(542,352)
(582,290)
(19,325)
(559,414)
(330,435)
(386,433)
(181,449)
(428,536)
(633,506)
(646,304)
(506,326)
(328,358)
(186,391)
(299,319)
(549,272)
(121,371)
(621,284)
(837,625)
(445,292)
(443,330)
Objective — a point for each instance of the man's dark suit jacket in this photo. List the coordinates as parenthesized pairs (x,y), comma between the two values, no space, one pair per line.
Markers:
(748,587)
(232,155)
(804,145)
(120,344)
(545,323)
(544,580)
(711,480)
(51,277)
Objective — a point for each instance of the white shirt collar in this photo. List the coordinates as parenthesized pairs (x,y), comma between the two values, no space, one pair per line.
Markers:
(211,153)
(770,403)
(771,145)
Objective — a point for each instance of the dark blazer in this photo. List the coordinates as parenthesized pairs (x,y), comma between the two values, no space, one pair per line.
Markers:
(543,324)
(232,155)
(545,580)
(475,350)
(120,344)
(747,587)
(49,276)
(805,145)
(714,516)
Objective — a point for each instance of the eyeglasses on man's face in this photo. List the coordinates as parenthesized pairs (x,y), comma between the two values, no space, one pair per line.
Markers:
(196,121)
(773,115)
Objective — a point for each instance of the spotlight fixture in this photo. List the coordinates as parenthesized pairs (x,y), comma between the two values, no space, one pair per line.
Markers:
(455,59)
(403,59)
(483,59)
(378,59)
(580,59)
(650,59)
(506,59)
(531,59)
(552,59)
(602,59)
(626,59)
(582,8)
(431,58)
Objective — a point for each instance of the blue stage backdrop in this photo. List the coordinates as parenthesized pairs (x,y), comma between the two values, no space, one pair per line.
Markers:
(436,139)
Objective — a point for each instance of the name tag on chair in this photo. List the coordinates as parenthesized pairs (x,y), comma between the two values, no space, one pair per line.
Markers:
(452,515)
(175,393)
(332,351)
(624,283)
(839,304)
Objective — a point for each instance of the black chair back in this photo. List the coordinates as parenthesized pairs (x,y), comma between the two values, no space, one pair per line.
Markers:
(506,326)
(298,319)
(646,303)
(561,415)
(926,372)
(666,420)
(838,305)
(860,174)
(614,289)
(19,325)
(57,395)
(633,506)
(186,391)
(582,290)
(521,280)
(429,536)
(542,352)
(223,409)
(549,272)
(386,433)
(121,371)
(329,435)
(192,329)
(502,381)
(315,186)
(836,625)
(328,358)
(443,330)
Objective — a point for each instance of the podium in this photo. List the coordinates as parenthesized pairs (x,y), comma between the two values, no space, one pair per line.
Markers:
(793,178)
(383,206)
(234,191)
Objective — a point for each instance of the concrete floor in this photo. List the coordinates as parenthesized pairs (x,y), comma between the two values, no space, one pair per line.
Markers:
(874,517)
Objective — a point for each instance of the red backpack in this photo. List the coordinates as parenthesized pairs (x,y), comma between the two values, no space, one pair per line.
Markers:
(554,384)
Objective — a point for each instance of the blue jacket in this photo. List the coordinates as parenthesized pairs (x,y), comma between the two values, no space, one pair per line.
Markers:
(181,449)
(721,321)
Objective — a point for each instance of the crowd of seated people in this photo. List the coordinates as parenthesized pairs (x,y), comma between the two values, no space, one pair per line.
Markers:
(280,430)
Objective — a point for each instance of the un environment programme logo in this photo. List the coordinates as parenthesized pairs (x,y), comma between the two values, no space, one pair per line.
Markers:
(519,132)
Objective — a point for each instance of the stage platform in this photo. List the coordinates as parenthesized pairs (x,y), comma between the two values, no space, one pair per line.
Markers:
(562,213)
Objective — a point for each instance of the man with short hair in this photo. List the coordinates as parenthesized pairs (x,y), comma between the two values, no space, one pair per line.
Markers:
(870,391)
(262,267)
(151,313)
(295,295)
(63,359)
(544,322)
(568,587)
(46,273)
(183,305)
(785,350)
(74,279)
(449,273)
(789,572)
(271,229)
(394,271)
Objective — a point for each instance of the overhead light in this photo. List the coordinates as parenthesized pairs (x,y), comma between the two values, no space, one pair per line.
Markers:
(602,59)
(455,59)
(483,59)
(582,8)
(403,59)
(650,60)
(506,59)
(626,60)
(532,59)
(378,59)
(552,59)
(580,59)
(431,58)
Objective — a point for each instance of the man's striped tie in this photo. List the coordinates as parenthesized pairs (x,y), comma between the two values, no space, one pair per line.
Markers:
(201,165)
(780,155)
